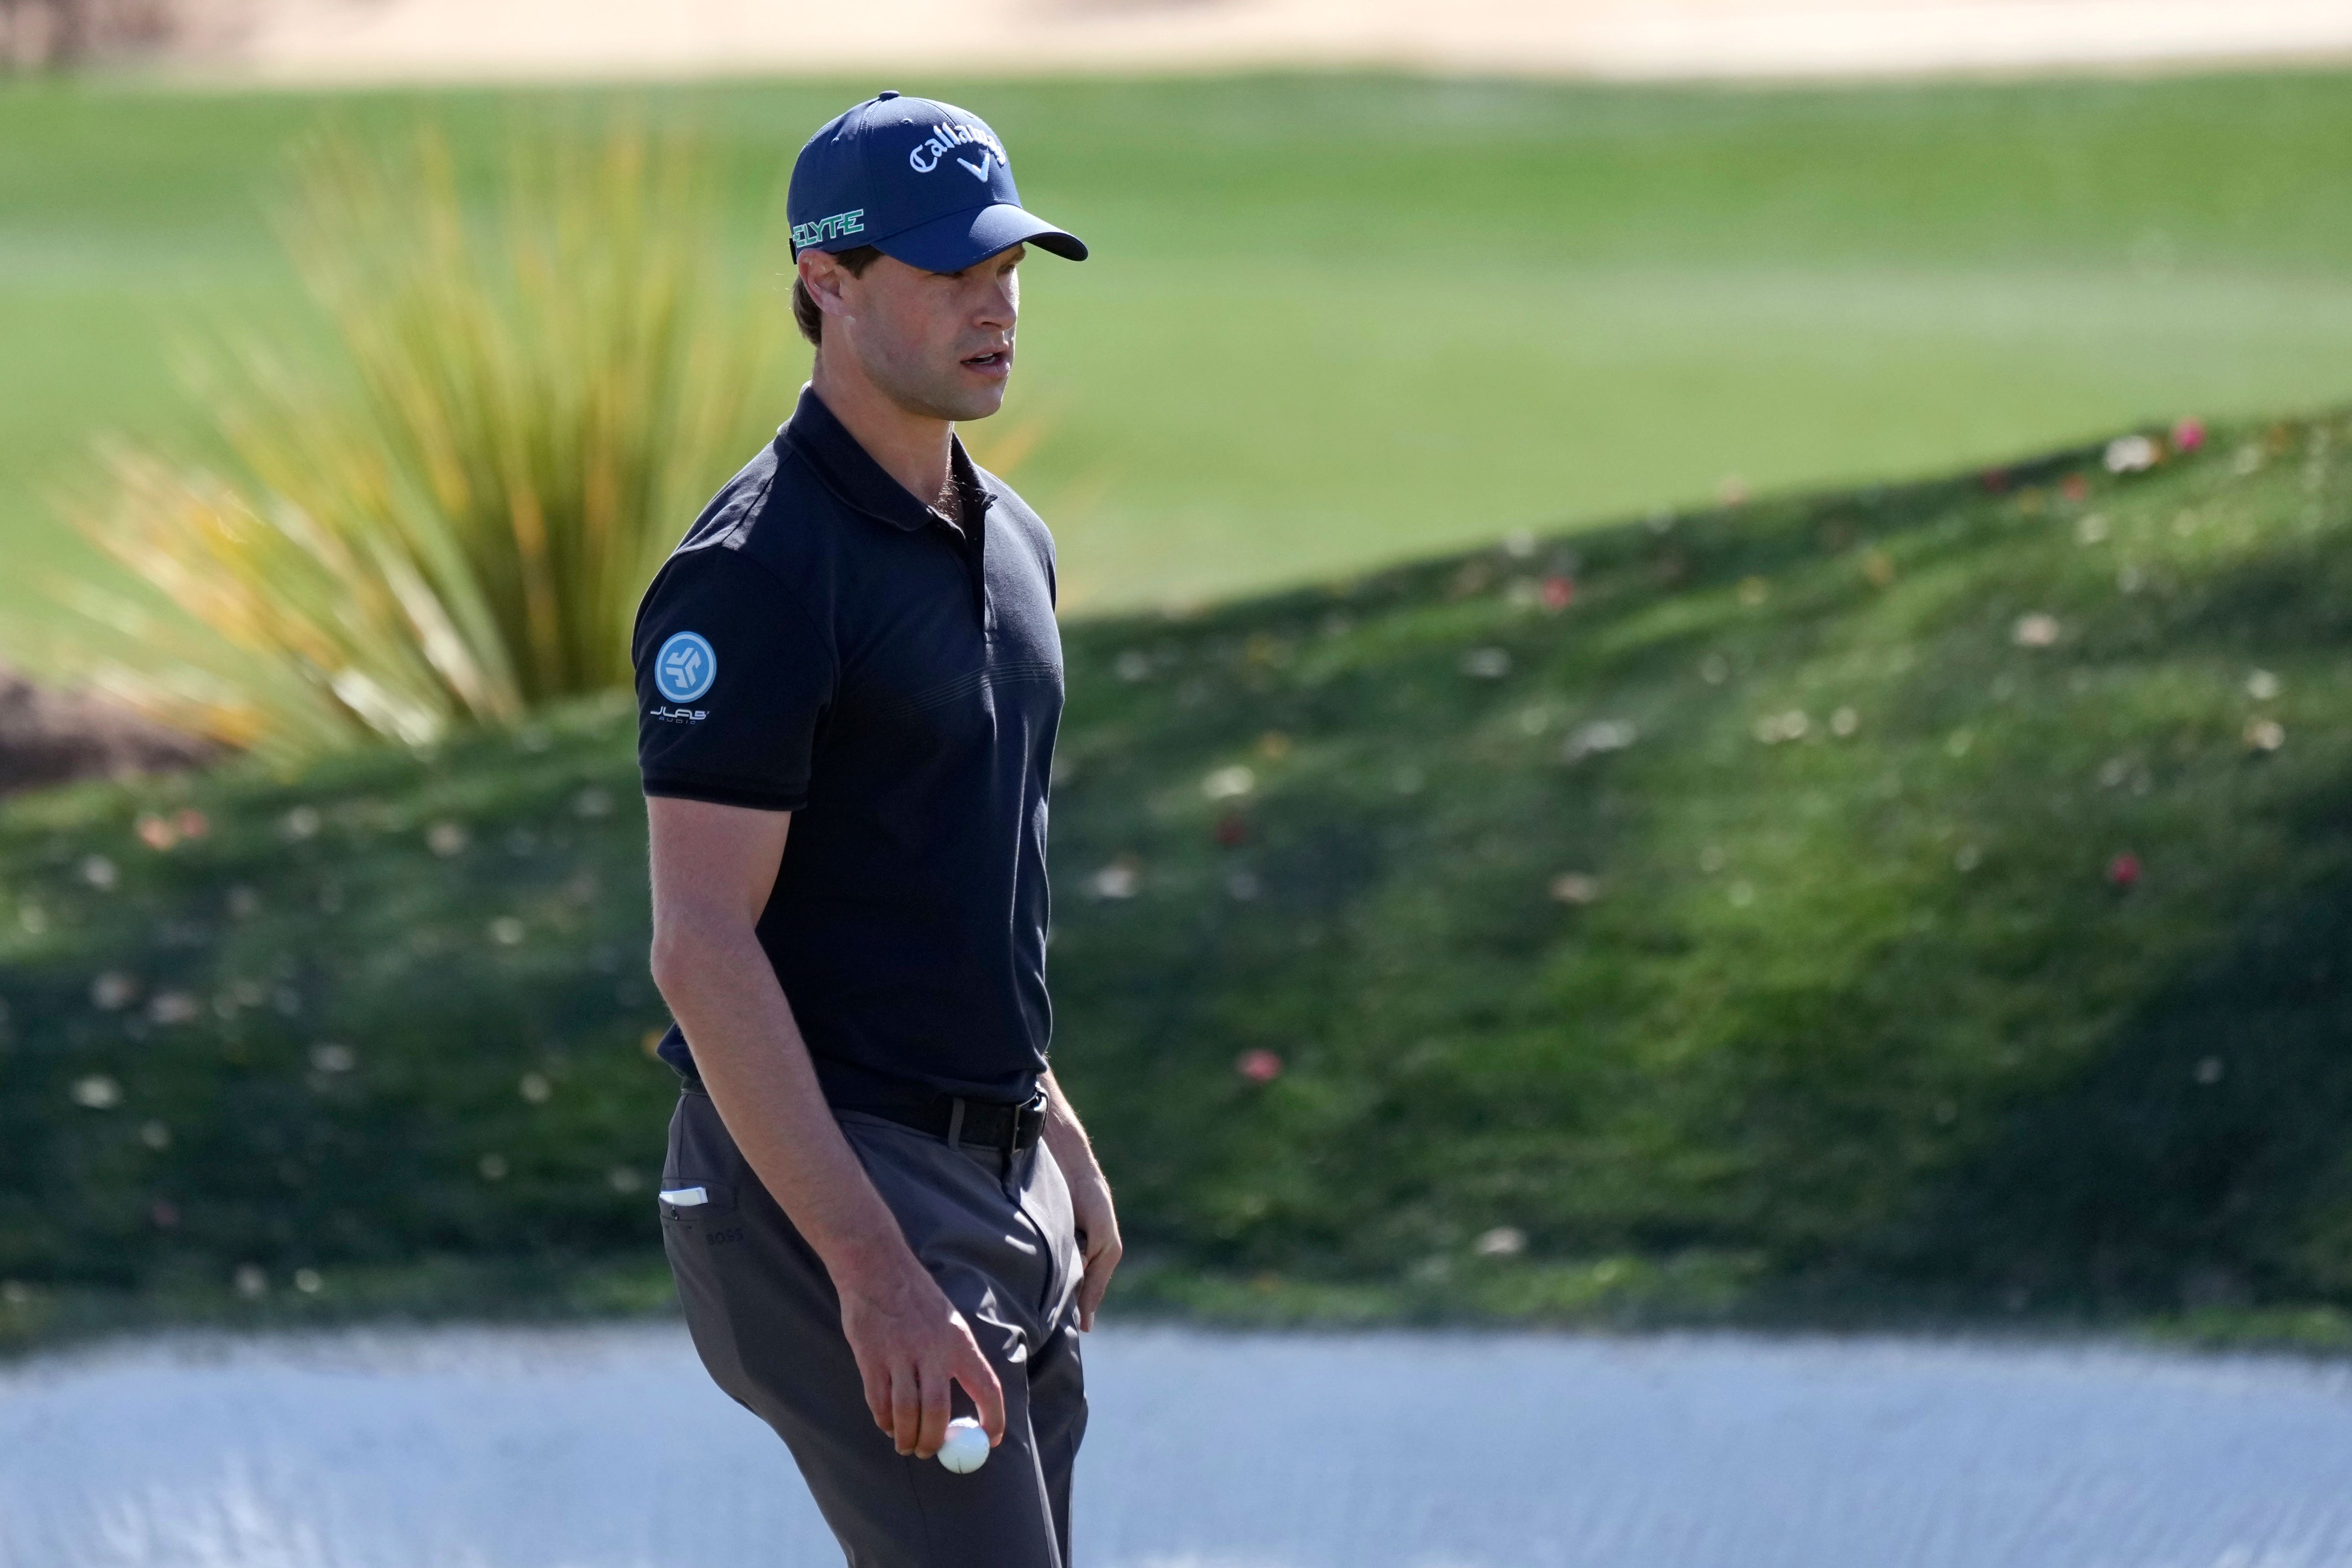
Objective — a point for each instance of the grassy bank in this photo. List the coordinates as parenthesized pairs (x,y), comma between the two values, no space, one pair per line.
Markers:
(1333,320)
(1927,900)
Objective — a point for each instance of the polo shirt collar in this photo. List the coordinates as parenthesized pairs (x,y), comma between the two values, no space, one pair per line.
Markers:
(851,472)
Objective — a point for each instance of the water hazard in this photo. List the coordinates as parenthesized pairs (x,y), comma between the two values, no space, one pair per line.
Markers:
(608,1448)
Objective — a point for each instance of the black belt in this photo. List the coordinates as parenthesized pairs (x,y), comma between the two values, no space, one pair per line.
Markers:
(979,1123)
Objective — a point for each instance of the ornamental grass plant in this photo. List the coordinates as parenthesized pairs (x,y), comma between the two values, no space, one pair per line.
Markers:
(453,523)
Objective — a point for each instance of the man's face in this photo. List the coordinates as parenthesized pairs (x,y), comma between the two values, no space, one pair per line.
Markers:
(936,343)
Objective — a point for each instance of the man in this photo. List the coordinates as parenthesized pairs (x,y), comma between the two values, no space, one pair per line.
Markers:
(880,1207)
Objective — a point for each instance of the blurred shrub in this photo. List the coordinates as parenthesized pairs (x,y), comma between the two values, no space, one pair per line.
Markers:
(454,524)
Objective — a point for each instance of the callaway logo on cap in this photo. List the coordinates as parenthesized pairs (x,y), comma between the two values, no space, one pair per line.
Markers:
(925,182)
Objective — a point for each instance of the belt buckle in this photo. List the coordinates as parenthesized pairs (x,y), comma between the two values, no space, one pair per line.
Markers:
(1029,1120)
(1023,1126)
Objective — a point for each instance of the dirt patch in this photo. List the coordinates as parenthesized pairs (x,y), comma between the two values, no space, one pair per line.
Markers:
(53,738)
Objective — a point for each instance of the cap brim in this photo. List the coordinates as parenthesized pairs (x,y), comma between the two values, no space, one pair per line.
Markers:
(959,240)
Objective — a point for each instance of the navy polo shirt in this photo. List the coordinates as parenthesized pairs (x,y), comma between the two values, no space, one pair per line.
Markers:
(823,642)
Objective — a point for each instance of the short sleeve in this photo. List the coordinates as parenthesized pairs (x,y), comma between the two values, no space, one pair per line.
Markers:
(734,676)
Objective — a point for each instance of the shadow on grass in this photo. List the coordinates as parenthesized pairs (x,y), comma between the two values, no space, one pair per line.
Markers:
(2203,1158)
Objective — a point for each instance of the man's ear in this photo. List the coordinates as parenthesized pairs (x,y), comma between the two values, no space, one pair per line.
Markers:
(824,278)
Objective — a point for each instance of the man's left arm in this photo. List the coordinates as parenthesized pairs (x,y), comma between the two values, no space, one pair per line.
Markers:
(1090,1205)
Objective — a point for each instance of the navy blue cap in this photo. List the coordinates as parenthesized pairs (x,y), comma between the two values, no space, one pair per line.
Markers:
(923,182)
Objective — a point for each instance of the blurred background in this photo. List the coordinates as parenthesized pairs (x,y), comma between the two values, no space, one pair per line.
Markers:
(1706,644)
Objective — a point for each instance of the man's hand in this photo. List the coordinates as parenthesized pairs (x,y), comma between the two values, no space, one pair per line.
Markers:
(910,1342)
(1097,1227)
(1091,1213)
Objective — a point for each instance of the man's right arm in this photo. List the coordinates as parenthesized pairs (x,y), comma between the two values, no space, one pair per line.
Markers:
(713,869)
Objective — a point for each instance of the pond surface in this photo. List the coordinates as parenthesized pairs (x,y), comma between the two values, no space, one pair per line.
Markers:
(608,1448)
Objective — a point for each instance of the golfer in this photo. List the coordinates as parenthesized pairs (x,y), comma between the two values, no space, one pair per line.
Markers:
(880,1209)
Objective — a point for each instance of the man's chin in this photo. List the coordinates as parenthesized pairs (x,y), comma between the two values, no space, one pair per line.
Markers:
(956,404)
(976,402)
(954,393)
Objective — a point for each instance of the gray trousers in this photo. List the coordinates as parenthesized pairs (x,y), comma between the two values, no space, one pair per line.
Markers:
(995,1231)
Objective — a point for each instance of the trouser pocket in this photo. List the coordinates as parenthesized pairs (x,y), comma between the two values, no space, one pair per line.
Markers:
(699,1186)
(699,1209)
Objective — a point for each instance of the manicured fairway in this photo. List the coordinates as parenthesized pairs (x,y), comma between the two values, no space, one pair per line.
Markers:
(1335,321)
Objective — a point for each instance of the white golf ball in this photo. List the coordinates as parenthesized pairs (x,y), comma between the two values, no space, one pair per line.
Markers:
(966,1448)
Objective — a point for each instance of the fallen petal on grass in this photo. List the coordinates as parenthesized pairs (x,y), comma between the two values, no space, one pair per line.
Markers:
(1575,888)
(2035,630)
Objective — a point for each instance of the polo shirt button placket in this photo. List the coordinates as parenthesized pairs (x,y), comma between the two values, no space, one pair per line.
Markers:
(973,559)
(974,565)
(975,506)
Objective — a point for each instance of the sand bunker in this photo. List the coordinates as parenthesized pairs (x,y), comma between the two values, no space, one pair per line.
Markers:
(358,40)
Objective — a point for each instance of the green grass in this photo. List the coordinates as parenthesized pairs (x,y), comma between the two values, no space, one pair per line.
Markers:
(1850,1024)
(1336,321)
